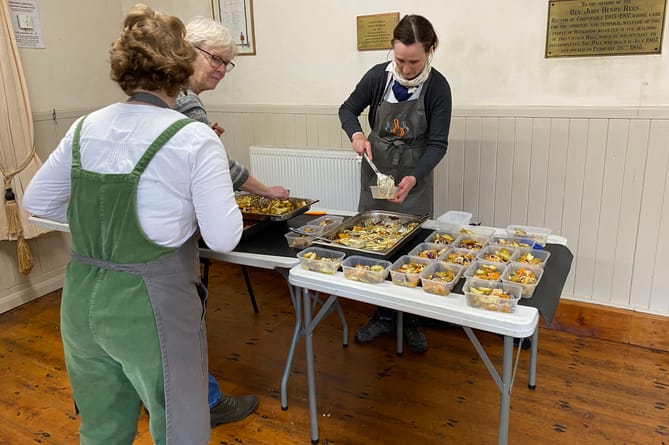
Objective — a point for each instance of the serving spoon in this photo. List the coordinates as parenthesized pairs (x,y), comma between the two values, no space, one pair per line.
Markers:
(381,179)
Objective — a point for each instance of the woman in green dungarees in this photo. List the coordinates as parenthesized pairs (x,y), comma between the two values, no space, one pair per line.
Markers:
(135,181)
(409,114)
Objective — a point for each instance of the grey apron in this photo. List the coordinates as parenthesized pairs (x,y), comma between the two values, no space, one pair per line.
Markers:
(398,139)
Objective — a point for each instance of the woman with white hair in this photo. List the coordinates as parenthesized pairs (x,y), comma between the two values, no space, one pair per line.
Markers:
(215,51)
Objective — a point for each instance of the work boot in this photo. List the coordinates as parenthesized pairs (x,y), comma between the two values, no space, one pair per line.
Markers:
(231,409)
(413,334)
(375,326)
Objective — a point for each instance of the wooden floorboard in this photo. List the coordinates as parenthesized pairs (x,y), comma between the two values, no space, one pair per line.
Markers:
(588,390)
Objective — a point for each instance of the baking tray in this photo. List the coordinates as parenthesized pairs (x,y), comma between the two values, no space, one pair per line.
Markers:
(301,205)
(410,224)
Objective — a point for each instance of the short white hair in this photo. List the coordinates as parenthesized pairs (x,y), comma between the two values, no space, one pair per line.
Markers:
(203,31)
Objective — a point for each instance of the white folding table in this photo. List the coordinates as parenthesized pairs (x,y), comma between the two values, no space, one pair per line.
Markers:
(521,324)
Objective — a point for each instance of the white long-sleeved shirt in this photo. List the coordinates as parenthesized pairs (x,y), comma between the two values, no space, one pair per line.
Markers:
(186,185)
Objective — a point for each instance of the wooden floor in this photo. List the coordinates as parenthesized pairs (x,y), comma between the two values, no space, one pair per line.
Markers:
(588,390)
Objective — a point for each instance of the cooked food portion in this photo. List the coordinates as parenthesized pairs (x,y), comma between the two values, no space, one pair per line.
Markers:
(376,233)
(462,256)
(489,272)
(257,204)
(497,255)
(365,273)
(528,258)
(523,276)
(491,299)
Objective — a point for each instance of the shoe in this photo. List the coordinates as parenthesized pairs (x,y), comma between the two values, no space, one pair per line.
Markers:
(375,326)
(231,409)
(414,336)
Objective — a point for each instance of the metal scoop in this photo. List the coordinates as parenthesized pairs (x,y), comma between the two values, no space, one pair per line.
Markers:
(382,180)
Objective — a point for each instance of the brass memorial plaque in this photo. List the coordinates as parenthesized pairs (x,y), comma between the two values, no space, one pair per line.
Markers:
(604,27)
(376,31)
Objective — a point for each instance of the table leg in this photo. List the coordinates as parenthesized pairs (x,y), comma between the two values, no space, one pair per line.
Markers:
(311,378)
(297,332)
(532,384)
(400,333)
(505,400)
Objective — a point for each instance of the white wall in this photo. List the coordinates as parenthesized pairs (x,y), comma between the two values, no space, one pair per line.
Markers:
(491,52)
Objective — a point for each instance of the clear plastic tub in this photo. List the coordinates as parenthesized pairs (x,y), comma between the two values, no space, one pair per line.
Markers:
(485,270)
(472,242)
(311,229)
(379,192)
(406,270)
(365,269)
(478,230)
(538,234)
(496,253)
(456,255)
(320,260)
(431,251)
(327,221)
(492,295)
(298,241)
(534,257)
(453,220)
(512,241)
(524,275)
(444,237)
(440,277)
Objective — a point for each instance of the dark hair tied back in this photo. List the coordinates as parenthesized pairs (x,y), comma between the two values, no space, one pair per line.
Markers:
(416,29)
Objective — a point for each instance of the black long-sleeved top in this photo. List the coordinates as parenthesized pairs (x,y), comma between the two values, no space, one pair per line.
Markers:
(369,92)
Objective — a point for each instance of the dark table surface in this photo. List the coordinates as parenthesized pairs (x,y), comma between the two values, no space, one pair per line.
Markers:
(267,238)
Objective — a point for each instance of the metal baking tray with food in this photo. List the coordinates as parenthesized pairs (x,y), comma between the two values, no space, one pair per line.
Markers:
(255,207)
(373,232)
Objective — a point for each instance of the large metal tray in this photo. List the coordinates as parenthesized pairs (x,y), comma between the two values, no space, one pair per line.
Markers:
(411,225)
(301,205)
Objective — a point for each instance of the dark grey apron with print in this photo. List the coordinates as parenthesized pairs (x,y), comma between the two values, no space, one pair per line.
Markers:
(399,139)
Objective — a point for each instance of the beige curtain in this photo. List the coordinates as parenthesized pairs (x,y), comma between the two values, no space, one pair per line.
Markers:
(18,162)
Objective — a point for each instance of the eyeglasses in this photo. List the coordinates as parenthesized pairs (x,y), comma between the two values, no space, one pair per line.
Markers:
(216,61)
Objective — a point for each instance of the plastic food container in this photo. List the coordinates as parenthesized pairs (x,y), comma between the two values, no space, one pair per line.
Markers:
(431,251)
(496,253)
(492,295)
(406,270)
(439,277)
(298,241)
(456,255)
(538,234)
(379,192)
(478,230)
(364,269)
(472,242)
(311,229)
(453,220)
(524,275)
(326,221)
(320,260)
(531,256)
(485,270)
(511,241)
(444,237)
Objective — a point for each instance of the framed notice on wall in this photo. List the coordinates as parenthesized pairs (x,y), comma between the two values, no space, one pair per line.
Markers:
(237,16)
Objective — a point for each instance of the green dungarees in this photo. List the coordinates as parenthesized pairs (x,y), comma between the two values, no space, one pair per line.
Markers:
(132,315)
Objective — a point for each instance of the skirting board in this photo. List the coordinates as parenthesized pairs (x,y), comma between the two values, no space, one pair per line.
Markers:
(609,323)
(30,290)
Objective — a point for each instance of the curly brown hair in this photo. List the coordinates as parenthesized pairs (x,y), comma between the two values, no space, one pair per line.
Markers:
(151,53)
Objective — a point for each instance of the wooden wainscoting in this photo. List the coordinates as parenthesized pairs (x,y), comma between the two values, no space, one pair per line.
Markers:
(609,323)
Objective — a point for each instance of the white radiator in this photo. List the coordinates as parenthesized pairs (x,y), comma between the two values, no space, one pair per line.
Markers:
(331,176)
